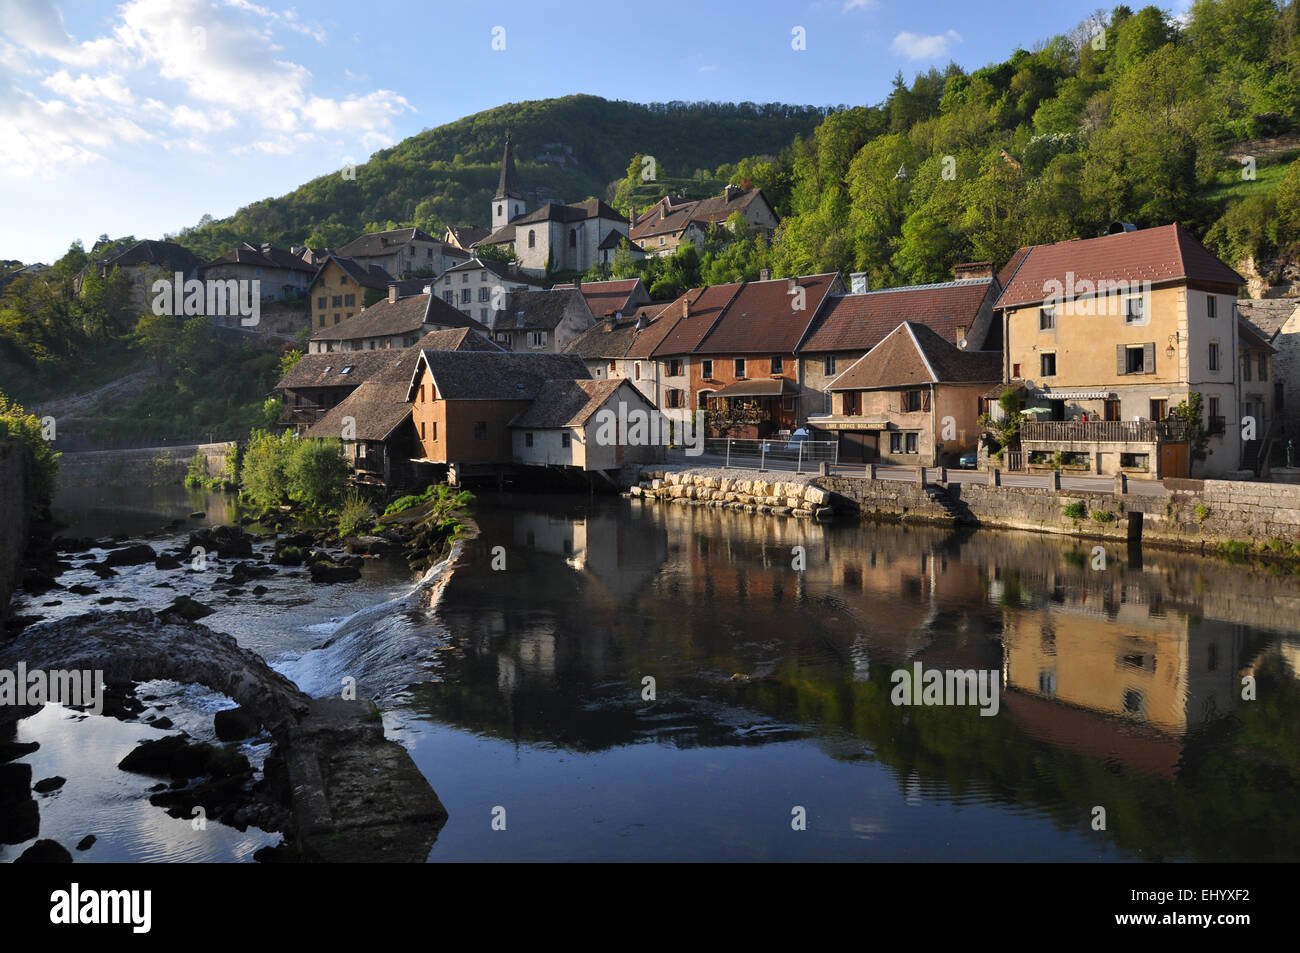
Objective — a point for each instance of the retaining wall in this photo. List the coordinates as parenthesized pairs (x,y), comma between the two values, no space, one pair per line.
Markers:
(150,466)
(15,506)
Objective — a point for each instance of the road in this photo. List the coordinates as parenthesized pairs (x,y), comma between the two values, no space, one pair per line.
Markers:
(1101,484)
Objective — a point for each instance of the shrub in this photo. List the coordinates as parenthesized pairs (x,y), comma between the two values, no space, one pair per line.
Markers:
(1076,510)
(316,472)
(197,474)
(1103,516)
(263,479)
(1202,512)
(355,514)
(14,421)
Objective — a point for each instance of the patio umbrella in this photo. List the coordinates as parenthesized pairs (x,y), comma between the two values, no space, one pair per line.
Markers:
(1037,410)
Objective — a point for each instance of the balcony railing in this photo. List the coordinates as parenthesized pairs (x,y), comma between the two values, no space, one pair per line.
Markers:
(1105,431)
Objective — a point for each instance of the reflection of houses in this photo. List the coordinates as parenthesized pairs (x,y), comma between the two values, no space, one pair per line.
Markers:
(320,381)
(913,399)
(585,424)
(1119,330)
(394,322)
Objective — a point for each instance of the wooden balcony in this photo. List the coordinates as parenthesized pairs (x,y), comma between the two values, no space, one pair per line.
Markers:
(1104,431)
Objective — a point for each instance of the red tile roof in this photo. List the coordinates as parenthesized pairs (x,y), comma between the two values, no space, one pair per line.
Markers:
(1158,255)
(858,322)
(604,297)
(913,354)
(761,318)
(685,333)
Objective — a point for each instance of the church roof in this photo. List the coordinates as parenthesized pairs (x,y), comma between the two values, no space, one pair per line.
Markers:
(508,187)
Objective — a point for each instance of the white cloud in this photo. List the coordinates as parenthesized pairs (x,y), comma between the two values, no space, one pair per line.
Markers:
(853,6)
(710,68)
(221,69)
(916,46)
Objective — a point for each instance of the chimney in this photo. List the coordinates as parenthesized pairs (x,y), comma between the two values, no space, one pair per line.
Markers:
(858,283)
(686,306)
(392,291)
(641,322)
(730,192)
(612,319)
(765,274)
(791,286)
(972,269)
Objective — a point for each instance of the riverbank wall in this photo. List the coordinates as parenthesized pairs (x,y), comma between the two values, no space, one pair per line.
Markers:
(737,490)
(148,466)
(15,516)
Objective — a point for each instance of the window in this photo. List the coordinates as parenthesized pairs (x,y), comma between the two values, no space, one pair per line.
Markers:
(449,297)
(482,276)
(1245,367)
(1263,367)
(911,442)
(706,370)
(433,429)
(777,365)
(349,301)
(1111,409)
(447,280)
(503,337)
(483,294)
(537,339)
(566,440)
(636,371)
(1212,306)
(661,240)
(895,443)
(348,315)
(528,439)
(321,302)
(482,314)
(1135,461)
(421,429)
(828,366)
(1159,407)
(1015,372)
(1133,312)
(1135,358)
(465,296)
(322,320)
(464,278)
(1047,319)
(740,367)
(500,211)
(1048,364)
(532,238)
(675,368)
(343,280)
(613,366)
(480,430)
(851,402)
(911,401)
(338,318)
(338,301)
(573,239)
(422,393)
(675,397)
(1214,354)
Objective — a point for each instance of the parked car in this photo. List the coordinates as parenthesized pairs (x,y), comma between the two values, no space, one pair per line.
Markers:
(797,438)
(968,461)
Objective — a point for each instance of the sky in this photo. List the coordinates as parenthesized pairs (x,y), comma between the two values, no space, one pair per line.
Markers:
(140,117)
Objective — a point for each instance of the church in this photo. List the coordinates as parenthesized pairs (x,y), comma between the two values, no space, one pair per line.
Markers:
(554,237)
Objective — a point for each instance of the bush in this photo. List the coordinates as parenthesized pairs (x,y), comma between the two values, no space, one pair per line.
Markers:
(197,474)
(1103,516)
(1202,512)
(1076,510)
(316,472)
(263,480)
(355,514)
(14,421)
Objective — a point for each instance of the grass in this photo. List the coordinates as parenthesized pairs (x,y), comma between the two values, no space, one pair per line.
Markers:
(1230,186)
(355,514)
(102,366)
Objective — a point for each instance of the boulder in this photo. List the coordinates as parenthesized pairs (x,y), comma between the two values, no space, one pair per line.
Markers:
(45,852)
(188,609)
(235,724)
(326,572)
(46,785)
(166,561)
(131,555)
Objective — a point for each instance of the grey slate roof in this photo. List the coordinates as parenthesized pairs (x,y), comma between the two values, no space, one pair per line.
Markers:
(483,375)
(373,244)
(565,404)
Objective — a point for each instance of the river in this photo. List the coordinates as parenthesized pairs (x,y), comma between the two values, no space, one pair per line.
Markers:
(601,679)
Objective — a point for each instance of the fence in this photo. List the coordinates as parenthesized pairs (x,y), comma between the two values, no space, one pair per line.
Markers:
(1105,431)
(781,451)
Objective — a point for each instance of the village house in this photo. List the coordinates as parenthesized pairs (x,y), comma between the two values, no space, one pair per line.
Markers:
(1277,321)
(607,348)
(282,274)
(465,237)
(585,424)
(671,221)
(403,253)
(913,399)
(1106,336)
(341,288)
(540,320)
(320,381)
(394,322)
(463,402)
(555,237)
(1260,429)
(478,286)
(852,324)
(374,424)
(616,296)
(144,263)
(731,350)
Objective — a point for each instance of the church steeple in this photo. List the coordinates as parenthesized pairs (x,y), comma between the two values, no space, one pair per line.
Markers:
(508,203)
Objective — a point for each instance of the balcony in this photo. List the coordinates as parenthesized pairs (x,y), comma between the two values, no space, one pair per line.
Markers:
(1104,431)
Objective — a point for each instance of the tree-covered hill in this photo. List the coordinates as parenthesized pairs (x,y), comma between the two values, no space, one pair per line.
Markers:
(566,149)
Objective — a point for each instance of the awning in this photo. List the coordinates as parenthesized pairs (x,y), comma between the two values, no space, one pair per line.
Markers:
(1076,395)
(770,387)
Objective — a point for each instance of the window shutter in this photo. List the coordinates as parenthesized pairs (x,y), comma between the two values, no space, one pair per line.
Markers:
(1119,359)
(925,400)
(1149,357)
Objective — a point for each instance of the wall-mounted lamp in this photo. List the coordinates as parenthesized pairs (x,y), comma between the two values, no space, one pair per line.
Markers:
(1172,346)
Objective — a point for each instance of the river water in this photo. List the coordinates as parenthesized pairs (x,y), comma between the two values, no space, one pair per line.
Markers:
(601,679)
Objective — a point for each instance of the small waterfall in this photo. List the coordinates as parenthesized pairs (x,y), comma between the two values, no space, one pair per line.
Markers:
(384,647)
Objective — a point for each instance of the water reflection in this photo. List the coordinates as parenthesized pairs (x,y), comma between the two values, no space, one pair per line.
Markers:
(1121,683)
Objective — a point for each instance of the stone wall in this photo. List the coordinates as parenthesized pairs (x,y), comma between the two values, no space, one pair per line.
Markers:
(150,466)
(717,489)
(15,506)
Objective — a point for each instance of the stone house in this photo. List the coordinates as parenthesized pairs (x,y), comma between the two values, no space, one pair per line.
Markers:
(403,253)
(575,424)
(394,322)
(669,222)
(540,320)
(478,286)
(341,288)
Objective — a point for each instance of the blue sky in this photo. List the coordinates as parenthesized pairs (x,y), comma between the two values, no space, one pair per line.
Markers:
(138,118)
